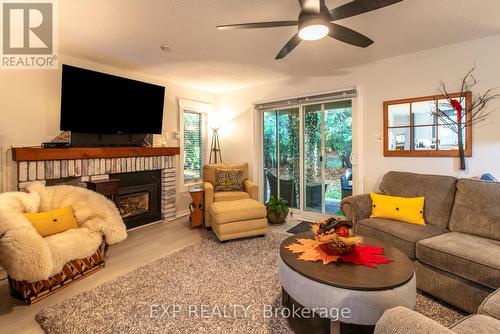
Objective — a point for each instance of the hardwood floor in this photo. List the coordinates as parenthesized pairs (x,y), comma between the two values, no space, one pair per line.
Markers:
(142,246)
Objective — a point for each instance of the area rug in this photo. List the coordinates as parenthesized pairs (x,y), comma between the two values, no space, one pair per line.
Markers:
(300,227)
(205,288)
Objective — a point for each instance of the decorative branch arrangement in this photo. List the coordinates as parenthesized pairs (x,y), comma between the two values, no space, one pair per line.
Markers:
(473,114)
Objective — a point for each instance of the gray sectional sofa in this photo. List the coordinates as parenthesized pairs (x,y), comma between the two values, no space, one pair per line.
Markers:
(457,253)
(401,320)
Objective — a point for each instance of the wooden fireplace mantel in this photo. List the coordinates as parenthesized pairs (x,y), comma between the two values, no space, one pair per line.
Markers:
(45,154)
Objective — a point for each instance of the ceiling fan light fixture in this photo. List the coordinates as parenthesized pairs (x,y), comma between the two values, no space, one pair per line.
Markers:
(313,28)
(313,32)
(316,21)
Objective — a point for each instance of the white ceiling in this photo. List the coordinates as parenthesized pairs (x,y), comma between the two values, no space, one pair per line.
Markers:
(130,32)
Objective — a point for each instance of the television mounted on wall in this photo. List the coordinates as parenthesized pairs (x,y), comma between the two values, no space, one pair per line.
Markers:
(99,103)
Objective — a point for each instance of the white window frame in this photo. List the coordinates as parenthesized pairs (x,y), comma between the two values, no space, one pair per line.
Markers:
(197,107)
(357,154)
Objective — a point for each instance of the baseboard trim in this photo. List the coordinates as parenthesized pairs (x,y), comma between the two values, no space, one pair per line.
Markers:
(182,214)
(177,216)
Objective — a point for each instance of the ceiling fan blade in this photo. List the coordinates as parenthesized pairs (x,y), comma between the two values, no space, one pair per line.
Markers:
(349,36)
(258,25)
(289,46)
(310,6)
(357,7)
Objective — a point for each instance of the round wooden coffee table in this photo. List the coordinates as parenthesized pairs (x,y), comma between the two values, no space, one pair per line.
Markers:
(354,296)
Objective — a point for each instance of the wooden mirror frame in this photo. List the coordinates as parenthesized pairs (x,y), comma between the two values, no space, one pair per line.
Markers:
(427,153)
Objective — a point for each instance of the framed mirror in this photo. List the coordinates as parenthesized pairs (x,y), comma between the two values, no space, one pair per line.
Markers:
(412,127)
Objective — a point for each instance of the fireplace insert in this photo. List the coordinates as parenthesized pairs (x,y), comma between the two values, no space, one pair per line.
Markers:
(139,197)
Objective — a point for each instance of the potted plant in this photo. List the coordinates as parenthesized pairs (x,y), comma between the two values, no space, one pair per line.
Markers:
(277,210)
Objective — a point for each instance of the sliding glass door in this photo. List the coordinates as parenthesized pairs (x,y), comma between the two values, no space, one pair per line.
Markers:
(314,185)
(315,178)
(270,150)
(327,156)
(281,148)
(337,154)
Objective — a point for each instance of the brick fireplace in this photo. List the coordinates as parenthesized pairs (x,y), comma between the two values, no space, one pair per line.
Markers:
(147,176)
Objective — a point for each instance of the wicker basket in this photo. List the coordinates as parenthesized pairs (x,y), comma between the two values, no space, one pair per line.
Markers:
(331,249)
(31,292)
(332,243)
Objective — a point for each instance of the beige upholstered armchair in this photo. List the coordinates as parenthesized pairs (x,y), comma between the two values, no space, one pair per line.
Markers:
(250,189)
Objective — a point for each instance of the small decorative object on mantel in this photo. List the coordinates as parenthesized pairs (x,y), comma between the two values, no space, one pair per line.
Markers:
(62,140)
(477,110)
(277,210)
(147,141)
(63,136)
(334,240)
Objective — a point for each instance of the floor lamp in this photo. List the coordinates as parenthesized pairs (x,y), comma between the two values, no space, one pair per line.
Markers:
(215,148)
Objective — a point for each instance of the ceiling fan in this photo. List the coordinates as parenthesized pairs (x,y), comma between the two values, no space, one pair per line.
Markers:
(317,21)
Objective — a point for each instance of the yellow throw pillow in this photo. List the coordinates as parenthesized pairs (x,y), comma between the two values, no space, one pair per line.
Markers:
(408,210)
(53,222)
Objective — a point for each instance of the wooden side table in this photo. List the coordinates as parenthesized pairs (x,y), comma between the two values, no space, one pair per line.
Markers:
(108,188)
(197,217)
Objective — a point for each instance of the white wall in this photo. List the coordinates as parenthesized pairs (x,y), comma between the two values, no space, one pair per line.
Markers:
(29,111)
(29,107)
(412,75)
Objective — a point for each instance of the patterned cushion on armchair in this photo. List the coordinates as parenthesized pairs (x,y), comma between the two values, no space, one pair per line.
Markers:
(209,170)
(228,180)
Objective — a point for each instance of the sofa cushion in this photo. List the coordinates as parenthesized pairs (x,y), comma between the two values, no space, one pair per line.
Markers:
(230,196)
(477,324)
(400,235)
(449,288)
(404,209)
(491,305)
(468,256)
(399,320)
(53,221)
(438,190)
(228,179)
(476,209)
(244,209)
(209,170)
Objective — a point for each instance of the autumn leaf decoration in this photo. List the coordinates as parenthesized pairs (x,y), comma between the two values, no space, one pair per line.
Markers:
(366,255)
(310,252)
(334,240)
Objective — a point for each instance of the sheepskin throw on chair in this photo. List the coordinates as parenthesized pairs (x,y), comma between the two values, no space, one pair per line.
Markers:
(32,260)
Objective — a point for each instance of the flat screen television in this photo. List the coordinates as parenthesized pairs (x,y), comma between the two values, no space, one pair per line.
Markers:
(94,102)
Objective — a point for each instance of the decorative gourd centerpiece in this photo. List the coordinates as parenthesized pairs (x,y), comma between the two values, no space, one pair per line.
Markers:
(335,236)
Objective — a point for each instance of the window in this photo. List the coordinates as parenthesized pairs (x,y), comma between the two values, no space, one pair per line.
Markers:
(194,155)
(412,127)
(193,140)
